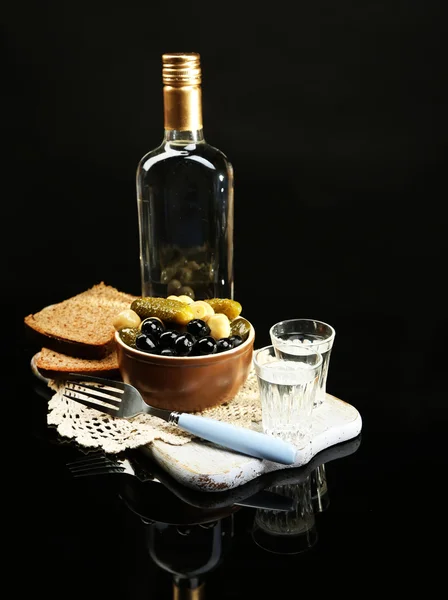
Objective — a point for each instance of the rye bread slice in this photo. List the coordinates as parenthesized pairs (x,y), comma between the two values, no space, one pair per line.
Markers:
(54,365)
(81,326)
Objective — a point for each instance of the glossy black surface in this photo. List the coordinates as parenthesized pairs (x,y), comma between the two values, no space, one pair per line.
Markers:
(381,518)
(335,123)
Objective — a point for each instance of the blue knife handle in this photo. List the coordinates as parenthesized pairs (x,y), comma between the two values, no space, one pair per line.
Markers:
(241,439)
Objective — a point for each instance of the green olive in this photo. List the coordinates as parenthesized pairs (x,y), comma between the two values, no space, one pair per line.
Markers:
(128,335)
(240,326)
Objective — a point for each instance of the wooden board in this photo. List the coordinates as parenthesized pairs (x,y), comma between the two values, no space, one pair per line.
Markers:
(206,467)
(202,466)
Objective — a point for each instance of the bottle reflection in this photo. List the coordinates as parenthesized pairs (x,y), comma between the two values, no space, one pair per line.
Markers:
(293,531)
(189,552)
(185,541)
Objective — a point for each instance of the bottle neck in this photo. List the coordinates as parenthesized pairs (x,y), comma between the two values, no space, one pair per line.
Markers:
(183,113)
(175,135)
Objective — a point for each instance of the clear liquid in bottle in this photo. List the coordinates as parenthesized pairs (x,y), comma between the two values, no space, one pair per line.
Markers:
(185,198)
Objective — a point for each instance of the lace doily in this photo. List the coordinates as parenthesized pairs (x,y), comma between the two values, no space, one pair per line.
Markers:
(93,429)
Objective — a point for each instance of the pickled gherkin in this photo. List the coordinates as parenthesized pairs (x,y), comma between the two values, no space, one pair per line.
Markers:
(166,310)
(128,335)
(240,326)
(231,308)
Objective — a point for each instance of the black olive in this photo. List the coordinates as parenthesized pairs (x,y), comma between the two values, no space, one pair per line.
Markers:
(167,352)
(204,345)
(223,344)
(235,340)
(198,328)
(167,338)
(146,343)
(152,326)
(183,344)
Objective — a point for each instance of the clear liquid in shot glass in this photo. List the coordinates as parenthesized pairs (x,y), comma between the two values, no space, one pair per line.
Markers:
(287,391)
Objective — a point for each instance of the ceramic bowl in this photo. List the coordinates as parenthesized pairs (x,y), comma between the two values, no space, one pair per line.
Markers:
(187,383)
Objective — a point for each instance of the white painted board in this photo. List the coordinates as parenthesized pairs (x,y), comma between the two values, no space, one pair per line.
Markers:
(203,466)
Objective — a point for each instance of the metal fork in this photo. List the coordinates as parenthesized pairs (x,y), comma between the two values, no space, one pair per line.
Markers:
(100,464)
(122,400)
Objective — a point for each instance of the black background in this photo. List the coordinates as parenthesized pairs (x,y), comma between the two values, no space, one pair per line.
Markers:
(333,118)
(333,115)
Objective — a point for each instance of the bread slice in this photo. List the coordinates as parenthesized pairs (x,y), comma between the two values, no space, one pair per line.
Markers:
(53,365)
(81,326)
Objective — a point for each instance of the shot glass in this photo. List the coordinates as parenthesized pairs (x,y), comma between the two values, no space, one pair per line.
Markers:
(287,392)
(290,337)
(290,532)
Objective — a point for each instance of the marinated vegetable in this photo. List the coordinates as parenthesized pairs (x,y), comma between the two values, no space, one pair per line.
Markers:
(231,308)
(166,310)
(167,339)
(204,345)
(241,327)
(180,326)
(219,326)
(235,340)
(198,328)
(128,335)
(153,326)
(202,310)
(146,343)
(183,344)
(181,298)
(126,318)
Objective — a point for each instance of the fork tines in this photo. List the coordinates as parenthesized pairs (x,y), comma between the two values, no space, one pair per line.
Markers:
(111,397)
(100,381)
(100,406)
(102,398)
(100,465)
(91,458)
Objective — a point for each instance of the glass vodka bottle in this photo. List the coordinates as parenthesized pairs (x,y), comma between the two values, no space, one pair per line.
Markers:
(185,197)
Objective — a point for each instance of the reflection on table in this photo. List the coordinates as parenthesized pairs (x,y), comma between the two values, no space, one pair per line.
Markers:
(293,531)
(189,533)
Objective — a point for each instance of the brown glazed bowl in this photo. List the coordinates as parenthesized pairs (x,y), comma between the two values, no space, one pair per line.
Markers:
(186,383)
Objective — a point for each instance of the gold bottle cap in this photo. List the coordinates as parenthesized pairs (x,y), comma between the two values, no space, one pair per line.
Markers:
(181,68)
